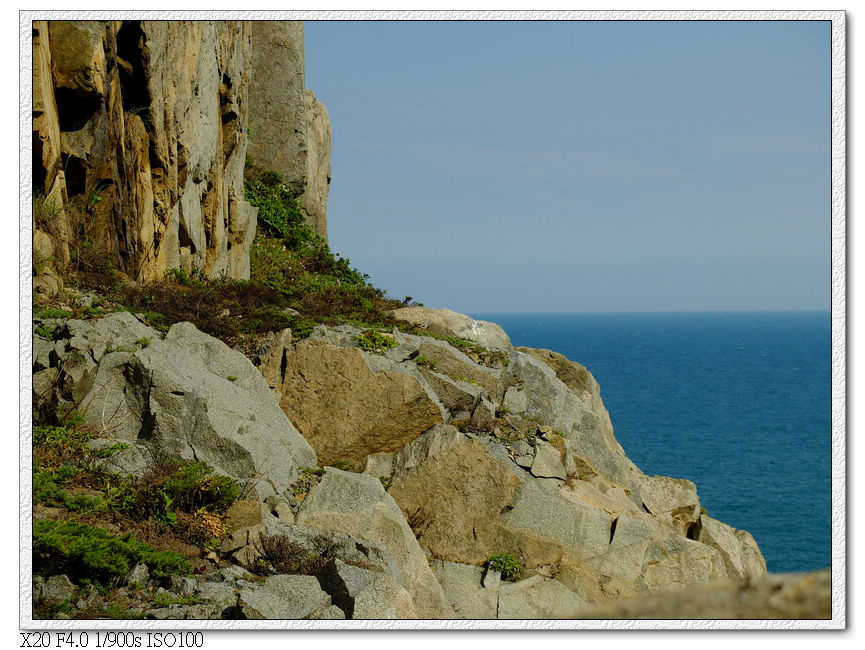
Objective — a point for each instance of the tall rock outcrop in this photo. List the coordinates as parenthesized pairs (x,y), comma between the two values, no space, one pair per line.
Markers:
(289,128)
(139,144)
(140,136)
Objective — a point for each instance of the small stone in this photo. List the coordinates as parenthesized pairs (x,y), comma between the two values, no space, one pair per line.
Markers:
(233,572)
(57,588)
(139,575)
(182,585)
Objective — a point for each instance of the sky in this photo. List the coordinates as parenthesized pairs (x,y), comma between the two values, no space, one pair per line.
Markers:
(507,167)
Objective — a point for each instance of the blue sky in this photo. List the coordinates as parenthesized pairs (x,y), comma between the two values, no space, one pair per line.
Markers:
(581,166)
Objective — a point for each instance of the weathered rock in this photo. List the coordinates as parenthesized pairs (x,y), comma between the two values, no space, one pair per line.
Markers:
(547,462)
(483,415)
(280,508)
(277,113)
(365,594)
(674,500)
(302,541)
(133,461)
(332,613)
(741,555)
(775,596)
(149,117)
(548,524)
(515,400)
(175,396)
(450,323)
(676,562)
(241,537)
(459,367)
(244,514)
(318,141)
(462,587)
(575,376)
(551,402)
(537,598)
(138,575)
(290,129)
(283,597)
(452,491)
(458,397)
(182,586)
(379,465)
(346,410)
(358,505)
(56,589)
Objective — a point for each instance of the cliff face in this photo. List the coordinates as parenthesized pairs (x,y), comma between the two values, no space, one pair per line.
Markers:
(140,139)
(289,128)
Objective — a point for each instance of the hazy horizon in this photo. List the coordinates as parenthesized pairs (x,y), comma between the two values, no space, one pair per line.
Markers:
(581,167)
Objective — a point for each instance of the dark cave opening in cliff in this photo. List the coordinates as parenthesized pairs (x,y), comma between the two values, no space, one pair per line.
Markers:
(74,109)
(133,79)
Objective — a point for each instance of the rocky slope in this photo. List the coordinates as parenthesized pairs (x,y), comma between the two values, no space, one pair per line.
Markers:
(140,136)
(452,453)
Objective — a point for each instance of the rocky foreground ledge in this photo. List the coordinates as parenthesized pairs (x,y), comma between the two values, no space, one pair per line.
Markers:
(383,471)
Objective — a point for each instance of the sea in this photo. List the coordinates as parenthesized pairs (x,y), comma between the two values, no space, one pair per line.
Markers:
(737,402)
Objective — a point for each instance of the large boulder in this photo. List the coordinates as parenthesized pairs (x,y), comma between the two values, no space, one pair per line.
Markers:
(365,594)
(672,499)
(357,504)
(453,490)
(445,322)
(458,366)
(585,424)
(465,591)
(741,555)
(537,598)
(344,407)
(187,395)
(283,597)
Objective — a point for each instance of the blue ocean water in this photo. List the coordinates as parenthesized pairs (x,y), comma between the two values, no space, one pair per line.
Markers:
(737,402)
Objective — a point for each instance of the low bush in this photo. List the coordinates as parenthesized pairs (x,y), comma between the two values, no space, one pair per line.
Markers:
(86,552)
(374,341)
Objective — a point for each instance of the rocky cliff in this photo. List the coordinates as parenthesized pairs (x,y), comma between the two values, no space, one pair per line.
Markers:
(483,482)
(289,128)
(140,136)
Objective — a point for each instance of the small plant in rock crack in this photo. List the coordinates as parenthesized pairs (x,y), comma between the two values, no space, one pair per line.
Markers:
(373,341)
(507,564)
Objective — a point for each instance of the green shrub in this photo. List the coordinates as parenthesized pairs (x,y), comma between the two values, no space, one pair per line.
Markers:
(424,362)
(374,341)
(54,313)
(278,209)
(110,451)
(87,552)
(507,564)
(48,484)
(193,487)
(46,332)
